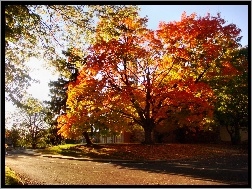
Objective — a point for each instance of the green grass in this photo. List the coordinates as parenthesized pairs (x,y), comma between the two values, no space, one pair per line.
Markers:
(60,149)
(11,178)
(74,151)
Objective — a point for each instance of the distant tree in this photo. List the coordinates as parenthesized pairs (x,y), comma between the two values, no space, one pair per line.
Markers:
(31,119)
(52,136)
(13,135)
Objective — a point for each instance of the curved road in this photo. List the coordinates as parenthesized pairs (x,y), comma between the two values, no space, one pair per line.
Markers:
(39,170)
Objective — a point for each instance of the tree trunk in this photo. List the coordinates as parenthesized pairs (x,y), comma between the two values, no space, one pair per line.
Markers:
(157,137)
(34,145)
(92,131)
(236,137)
(147,136)
(88,141)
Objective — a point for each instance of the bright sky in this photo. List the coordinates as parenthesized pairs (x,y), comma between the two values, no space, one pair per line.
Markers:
(237,14)
(40,90)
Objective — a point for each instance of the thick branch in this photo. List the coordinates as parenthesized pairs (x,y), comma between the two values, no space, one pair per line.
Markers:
(148,96)
(137,106)
(126,81)
(138,121)
(168,71)
(201,75)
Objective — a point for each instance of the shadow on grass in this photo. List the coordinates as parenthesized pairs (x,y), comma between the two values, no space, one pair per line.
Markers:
(87,151)
(75,152)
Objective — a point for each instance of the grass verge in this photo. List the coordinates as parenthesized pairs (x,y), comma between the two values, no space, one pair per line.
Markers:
(77,150)
(11,178)
(65,149)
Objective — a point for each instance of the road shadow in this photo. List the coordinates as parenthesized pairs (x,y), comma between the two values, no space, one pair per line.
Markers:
(232,170)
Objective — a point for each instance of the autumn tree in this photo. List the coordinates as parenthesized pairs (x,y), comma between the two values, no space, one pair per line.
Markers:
(150,77)
(75,58)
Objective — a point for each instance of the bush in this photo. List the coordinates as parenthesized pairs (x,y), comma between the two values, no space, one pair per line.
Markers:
(11,178)
(72,141)
(185,135)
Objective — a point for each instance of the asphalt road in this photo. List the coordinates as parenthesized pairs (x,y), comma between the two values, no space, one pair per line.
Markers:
(38,170)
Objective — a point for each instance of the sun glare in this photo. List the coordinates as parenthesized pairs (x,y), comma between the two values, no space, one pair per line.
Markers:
(39,72)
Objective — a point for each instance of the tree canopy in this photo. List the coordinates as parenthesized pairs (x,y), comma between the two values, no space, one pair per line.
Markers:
(136,75)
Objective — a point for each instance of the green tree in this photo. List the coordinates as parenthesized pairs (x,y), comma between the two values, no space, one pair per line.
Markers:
(232,92)
(32,121)
(13,135)
(19,42)
(56,106)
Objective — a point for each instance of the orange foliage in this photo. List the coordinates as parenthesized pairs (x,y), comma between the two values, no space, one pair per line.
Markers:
(146,76)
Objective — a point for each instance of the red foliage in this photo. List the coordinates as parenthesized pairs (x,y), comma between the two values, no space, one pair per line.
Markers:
(142,75)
